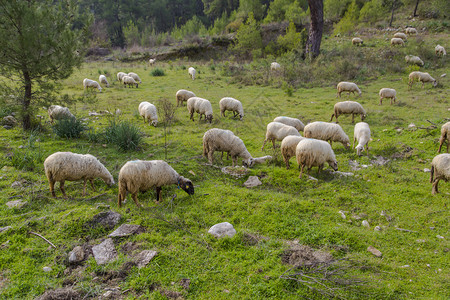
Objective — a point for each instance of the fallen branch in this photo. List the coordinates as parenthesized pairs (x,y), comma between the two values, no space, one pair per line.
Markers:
(95,197)
(431,122)
(37,234)
(406,230)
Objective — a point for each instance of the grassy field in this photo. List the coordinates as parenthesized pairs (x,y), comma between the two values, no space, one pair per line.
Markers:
(389,189)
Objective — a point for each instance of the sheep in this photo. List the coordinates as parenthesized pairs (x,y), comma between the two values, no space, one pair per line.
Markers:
(290,121)
(275,66)
(62,166)
(192,72)
(440,51)
(57,112)
(411,31)
(397,41)
(152,61)
(400,35)
(201,106)
(349,87)
(314,153)
(327,132)
(348,107)
(224,140)
(414,60)
(233,105)
(357,41)
(135,77)
(102,79)
(440,169)
(420,76)
(445,136)
(128,80)
(288,147)
(387,93)
(88,83)
(139,176)
(148,112)
(278,131)
(362,135)
(120,75)
(183,95)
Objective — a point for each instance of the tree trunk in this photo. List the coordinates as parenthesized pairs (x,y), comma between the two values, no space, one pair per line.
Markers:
(26,117)
(415,9)
(392,15)
(316,27)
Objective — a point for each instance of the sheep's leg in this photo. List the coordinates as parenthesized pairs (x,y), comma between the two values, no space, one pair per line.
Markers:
(211,157)
(192,117)
(92,184)
(332,116)
(319,169)
(52,188)
(354,140)
(134,196)
(143,119)
(286,161)
(435,190)
(61,187)
(331,142)
(367,145)
(273,143)
(234,160)
(423,84)
(336,115)
(265,141)
(158,194)
(84,187)
(301,170)
(381,101)
(353,118)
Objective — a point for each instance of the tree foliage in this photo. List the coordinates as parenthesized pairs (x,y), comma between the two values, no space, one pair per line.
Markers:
(248,36)
(349,21)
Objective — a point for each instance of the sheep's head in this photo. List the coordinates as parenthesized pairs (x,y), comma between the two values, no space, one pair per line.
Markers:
(186,185)
(248,163)
(209,118)
(359,149)
(154,123)
(241,117)
(137,85)
(333,164)
(109,181)
(435,83)
(363,116)
(346,145)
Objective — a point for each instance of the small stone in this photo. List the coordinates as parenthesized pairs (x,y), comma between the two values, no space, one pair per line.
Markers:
(312,178)
(104,252)
(10,121)
(16,184)
(21,146)
(374,251)
(16,204)
(7,127)
(191,172)
(432,228)
(126,230)
(443,75)
(143,258)
(412,125)
(342,214)
(399,130)
(428,265)
(7,169)
(426,170)
(222,229)
(405,266)
(76,255)
(420,241)
(365,223)
(377,228)
(439,236)
(6,228)
(108,294)
(252,181)
(47,269)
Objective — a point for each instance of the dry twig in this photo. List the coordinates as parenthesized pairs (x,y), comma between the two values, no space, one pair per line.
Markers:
(37,234)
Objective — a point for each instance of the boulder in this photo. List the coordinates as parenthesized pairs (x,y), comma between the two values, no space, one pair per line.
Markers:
(104,252)
(126,230)
(222,229)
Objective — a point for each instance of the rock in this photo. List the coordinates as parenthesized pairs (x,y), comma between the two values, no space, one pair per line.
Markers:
(7,169)
(143,258)
(443,75)
(126,230)
(185,283)
(342,214)
(345,174)
(365,224)
(76,255)
(7,127)
(377,228)
(6,228)
(426,170)
(439,236)
(222,229)
(108,219)
(108,294)
(16,204)
(102,206)
(47,269)
(399,130)
(252,181)
(237,172)
(104,252)
(262,159)
(9,121)
(312,178)
(404,266)
(412,126)
(420,241)
(191,172)
(374,251)
(16,184)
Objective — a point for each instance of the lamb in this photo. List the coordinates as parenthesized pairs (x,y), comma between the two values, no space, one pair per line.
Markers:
(357,41)
(349,87)
(288,147)
(128,80)
(327,132)
(192,72)
(400,35)
(201,106)
(57,112)
(183,95)
(348,107)
(278,131)
(275,66)
(120,75)
(62,166)
(148,112)
(440,51)
(314,153)
(102,79)
(397,41)
(233,105)
(362,135)
(88,83)
(414,60)
(387,93)
(290,121)
(139,176)
(420,76)
(411,31)
(135,77)
(152,61)
(440,169)
(224,140)
(445,136)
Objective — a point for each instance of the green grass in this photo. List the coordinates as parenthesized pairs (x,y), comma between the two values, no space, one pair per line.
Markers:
(284,208)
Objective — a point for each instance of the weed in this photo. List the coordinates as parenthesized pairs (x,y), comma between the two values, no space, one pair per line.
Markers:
(125,135)
(69,128)
(158,72)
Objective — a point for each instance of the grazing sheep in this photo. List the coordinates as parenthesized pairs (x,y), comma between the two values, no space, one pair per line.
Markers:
(288,147)
(62,166)
(397,41)
(57,112)
(148,112)
(348,107)
(314,153)
(233,105)
(387,93)
(139,176)
(327,132)
(128,80)
(291,122)
(200,106)
(152,61)
(440,51)
(400,35)
(357,41)
(120,75)
(445,136)
(183,95)
(420,76)
(414,60)
(192,72)
(440,169)
(135,77)
(411,31)
(362,135)
(102,79)
(88,83)
(224,140)
(278,131)
(275,66)
(349,87)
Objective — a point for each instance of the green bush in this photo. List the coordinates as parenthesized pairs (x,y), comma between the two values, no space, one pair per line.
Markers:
(158,72)
(248,36)
(124,135)
(69,128)
(29,157)
(349,21)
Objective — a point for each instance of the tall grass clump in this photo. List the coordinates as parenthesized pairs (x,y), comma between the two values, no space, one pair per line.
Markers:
(157,72)
(29,157)
(125,135)
(69,128)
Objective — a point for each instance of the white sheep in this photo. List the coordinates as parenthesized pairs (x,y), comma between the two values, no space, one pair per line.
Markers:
(414,60)
(411,31)
(135,77)
(102,79)
(275,66)
(349,87)
(288,147)
(362,135)
(128,80)
(152,61)
(183,95)
(200,106)
(445,136)
(440,169)
(224,140)
(440,51)
(348,107)
(314,153)
(62,166)
(120,75)
(387,93)
(420,76)
(400,35)
(57,112)
(148,112)
(233,105)
(290,121)
(192,72)
(89,83)
(140,176)
(357,41)
(327,132)
(278,131)
(397,41)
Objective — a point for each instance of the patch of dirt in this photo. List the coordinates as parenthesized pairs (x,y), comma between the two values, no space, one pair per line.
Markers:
(237,172)
(185,283)
(250,239)
(129,247)
(61,294)
(407,152)
(172,294)
(117,275)
(380,161)
(303,255)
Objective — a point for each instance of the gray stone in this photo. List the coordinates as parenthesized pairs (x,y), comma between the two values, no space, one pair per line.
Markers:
(5,228)
(426,170)
(107,219)
(126,230)
(143,258)
(377,228)
(76,255)
(16,184)
(443,75)
(9,121)
(374,251)
(252,181)
(365,224)
(108,294)
(7,127)
(104,252)
(47,269)
(16,204)
(342,214)
(222,229)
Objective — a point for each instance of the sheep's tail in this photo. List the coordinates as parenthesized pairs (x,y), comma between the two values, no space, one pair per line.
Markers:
(431,174)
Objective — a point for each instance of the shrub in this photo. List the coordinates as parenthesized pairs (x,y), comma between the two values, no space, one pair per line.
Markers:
(248,36)
(349,21)
(69,128)
(29,157)
(124,135)
(158,72)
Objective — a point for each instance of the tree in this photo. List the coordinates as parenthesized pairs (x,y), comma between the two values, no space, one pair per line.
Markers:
(415,9)
(38,46)
(248,36)
(316,27)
